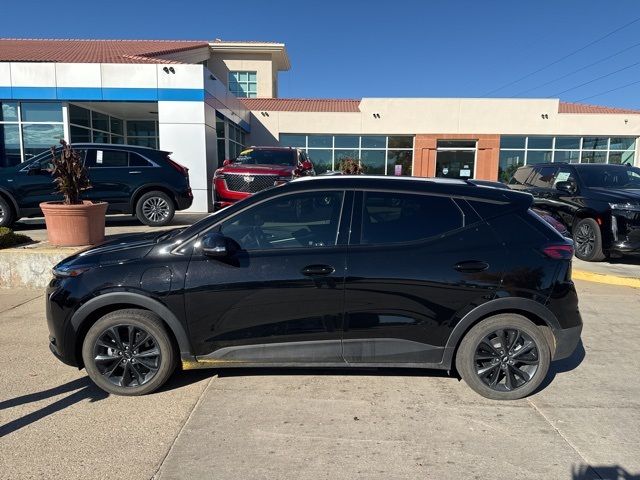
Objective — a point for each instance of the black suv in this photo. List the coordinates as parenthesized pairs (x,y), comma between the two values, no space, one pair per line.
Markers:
(131,179)
(598,203)
(335,271)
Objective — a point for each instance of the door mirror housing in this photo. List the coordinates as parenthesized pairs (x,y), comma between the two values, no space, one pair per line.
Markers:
(215,245)
(226,163)
(567,187)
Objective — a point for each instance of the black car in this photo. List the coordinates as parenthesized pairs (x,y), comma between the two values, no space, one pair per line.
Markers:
(138,180)
(334,271)
(598,203)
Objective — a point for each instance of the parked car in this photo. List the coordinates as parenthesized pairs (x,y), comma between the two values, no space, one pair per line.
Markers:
(137,180)
(337,271)
(256,169)
(598,203)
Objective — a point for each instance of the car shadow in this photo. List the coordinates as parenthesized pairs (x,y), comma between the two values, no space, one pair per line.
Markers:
(562,366)
(83,389)
(602,472)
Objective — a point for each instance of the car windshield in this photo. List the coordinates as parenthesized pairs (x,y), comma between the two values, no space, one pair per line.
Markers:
(611,176)
(267,157)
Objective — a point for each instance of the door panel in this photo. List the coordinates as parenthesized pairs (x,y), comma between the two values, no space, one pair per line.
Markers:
(110,178)
(403,298)
(280,298)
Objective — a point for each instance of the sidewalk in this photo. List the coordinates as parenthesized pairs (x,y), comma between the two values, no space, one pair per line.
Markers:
(622,272)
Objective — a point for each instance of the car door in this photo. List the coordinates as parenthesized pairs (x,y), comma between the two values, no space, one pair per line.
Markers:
(280,297)
(416,264)
(562,204)
(110,177)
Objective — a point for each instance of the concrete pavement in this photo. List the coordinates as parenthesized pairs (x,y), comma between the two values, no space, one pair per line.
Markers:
(323,424)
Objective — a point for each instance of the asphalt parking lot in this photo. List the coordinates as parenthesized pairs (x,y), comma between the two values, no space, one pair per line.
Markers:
(306,424)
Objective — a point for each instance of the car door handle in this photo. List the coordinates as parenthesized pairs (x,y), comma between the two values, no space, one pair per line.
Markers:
(317,270)
(134,171)
(471,266)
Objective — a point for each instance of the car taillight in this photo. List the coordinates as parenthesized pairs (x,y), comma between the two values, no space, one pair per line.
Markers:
(182,169)
(558,252)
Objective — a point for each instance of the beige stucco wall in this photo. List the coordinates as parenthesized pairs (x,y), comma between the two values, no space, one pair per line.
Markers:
(220,64)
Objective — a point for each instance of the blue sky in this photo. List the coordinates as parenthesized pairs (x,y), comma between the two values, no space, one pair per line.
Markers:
(404,48)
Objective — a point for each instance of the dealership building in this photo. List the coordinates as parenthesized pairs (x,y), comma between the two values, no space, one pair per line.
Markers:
(205,101)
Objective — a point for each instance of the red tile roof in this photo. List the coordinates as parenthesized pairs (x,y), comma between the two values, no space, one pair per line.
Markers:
(302,104)
(567,107)
(93,51)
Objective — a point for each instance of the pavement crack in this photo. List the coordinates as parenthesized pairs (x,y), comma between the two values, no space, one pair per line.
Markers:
(21,304)
(568,442)
(175,439)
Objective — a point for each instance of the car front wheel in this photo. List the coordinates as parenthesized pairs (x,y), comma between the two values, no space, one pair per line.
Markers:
(6,213)
(588,240)
(128,352)
(504,357)
(155,209)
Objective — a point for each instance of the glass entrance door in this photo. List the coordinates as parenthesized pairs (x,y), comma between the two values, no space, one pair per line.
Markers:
(456,159)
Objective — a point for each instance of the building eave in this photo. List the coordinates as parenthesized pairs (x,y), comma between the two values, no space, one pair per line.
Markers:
(278,50)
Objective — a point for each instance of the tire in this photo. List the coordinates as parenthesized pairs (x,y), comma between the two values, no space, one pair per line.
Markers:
(155,209)
(475,356)
(587,239)
(7,217)
(135,373)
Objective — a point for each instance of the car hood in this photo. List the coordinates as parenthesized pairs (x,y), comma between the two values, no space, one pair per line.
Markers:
(119,250)
(618,195)
(280,170)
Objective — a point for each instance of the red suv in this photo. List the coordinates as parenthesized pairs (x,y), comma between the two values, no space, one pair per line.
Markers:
(256,169)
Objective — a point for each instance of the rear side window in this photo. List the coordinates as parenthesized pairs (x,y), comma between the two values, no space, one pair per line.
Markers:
(543,177)
(390,217)
(114,158)
(520,177)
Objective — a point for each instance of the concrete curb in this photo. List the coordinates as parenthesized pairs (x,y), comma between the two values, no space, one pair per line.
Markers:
(605,278)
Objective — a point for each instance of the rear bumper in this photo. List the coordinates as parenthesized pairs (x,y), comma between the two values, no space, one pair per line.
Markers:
(184,200)
(567,340)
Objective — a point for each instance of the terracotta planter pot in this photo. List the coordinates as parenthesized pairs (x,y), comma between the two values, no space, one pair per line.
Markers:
(74,225)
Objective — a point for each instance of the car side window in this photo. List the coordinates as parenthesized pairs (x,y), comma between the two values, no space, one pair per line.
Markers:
(543,177)
(520,176)
(107,158)
(300,220)
(390,217)
(564,174)
(136,160)
(46,163)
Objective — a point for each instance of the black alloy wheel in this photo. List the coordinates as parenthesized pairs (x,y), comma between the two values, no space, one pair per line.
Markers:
(129,352)
(506,359)
(127,355)
(588,240)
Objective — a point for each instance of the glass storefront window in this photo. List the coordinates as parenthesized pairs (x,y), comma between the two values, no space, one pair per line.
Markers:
(79,116)
(509,162)
(373,141)
(347,141)
(141,128)
(594,143)
(622,143)
(320,141)
(625,158)
(538,156)
(401,142)
(40,136)
(9,145)
(100,121)
(511,141)
(540,142)
(292,140)
(41,112)
(117,126)
(567,143)
(594,157)
(79,134)
(322,160)
(568,156)
(373,161)
(399,162)
(9,111)
(342,154)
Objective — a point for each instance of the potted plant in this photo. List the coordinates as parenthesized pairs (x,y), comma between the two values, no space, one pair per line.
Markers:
(72,222)
(351,166)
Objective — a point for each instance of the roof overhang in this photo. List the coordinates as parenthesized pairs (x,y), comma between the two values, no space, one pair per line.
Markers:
(278,51)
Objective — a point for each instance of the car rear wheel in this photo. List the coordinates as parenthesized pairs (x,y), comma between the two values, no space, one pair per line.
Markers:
(6,213)
(155,209)
(128,352)
(504,357)
(588,240)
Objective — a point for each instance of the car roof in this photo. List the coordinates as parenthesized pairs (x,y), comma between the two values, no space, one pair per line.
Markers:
(577,165)
(115,146)
(442,186)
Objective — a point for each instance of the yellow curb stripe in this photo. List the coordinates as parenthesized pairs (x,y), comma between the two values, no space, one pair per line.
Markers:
(604,278)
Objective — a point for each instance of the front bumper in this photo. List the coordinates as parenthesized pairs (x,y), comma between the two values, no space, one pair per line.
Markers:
(567,340)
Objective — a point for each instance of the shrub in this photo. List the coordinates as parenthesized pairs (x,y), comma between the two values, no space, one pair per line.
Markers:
(351,166)
(69,173)
(8,238)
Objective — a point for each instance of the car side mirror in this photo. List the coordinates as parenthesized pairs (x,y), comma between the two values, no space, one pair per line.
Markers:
(215,244)
(226,162)
(567,187)
(306,165)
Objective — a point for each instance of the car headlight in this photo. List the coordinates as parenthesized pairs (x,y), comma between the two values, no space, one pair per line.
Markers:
(629,207)
(66,271)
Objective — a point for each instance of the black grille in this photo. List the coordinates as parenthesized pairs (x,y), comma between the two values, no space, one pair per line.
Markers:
(249,183)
